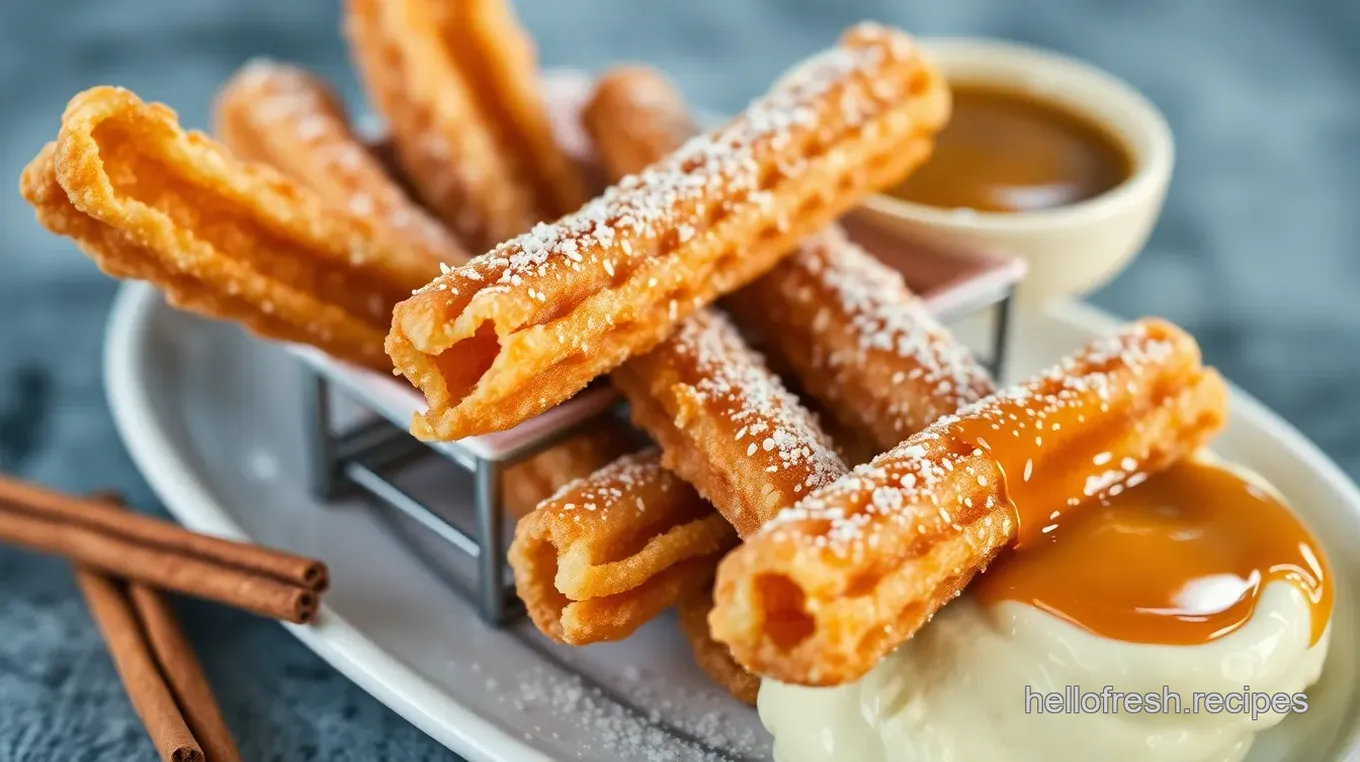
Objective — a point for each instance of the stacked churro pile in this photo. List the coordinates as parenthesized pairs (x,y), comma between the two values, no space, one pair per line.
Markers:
(709,281)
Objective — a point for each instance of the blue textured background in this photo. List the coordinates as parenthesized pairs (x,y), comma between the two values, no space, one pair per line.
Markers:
(1256,255)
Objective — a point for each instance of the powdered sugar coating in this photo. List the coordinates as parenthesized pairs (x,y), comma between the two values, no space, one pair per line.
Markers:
(608,489)
(722,168)
(779,431)
(886,318)
(899,485)
(647,733)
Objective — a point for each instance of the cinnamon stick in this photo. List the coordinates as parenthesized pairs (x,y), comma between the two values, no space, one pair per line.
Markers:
(160,554)
(93,514)
(159,567)
(183,674)
(137,667)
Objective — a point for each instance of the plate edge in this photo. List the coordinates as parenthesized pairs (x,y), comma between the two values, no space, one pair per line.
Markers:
(332,638)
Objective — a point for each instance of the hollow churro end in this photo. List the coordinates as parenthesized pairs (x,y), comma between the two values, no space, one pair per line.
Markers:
(533,557)
(425,328)
(609,552)
(787,621)
(222,237)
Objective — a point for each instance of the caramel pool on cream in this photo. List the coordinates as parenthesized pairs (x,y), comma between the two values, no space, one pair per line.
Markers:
(1004,151)
(1180,559)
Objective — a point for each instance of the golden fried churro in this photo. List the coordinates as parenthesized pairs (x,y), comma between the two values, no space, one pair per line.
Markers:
(635,117)
(726,424)
(496,55)
(456,82)
(831,315)
(231,240)
(835,582)
(838,318)
(611,551)
(838,307)
(528,325)
(859,341)
(287,118)
(535,480)
(713,657)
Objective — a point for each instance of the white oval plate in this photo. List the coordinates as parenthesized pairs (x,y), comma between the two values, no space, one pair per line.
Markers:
(212,418)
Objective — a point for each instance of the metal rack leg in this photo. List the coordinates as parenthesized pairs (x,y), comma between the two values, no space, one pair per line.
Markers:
(490,534)
(1001,326)
(323,461)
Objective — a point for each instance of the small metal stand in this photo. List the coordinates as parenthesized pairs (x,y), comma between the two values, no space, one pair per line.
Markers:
(363,460)
(1001,333)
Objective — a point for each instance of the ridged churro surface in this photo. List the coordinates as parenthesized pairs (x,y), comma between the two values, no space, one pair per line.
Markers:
(844,324)
(226,238)
(726,424)
(495,53)
(858,340)
(456,82)
(835,582)
(529,324)
(288,118)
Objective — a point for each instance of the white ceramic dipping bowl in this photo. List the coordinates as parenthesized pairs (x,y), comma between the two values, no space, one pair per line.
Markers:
(1074,249)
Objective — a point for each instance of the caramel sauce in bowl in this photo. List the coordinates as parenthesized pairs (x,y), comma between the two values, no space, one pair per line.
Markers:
(1004,151)
(1063,164)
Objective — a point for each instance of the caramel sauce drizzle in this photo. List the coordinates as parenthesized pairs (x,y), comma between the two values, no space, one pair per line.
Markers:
(1180,558)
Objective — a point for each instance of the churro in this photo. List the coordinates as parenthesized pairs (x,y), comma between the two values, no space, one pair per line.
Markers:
(825,313)
(838,580)
(290,119)
(526,326)
(457,83)
(225,238)
(726,424)
(540,477)
(858,340)
(846,326)
(635,116)
(611,551)
(713,657)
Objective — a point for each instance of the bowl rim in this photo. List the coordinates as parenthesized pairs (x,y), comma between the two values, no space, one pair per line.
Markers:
(1152,173)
